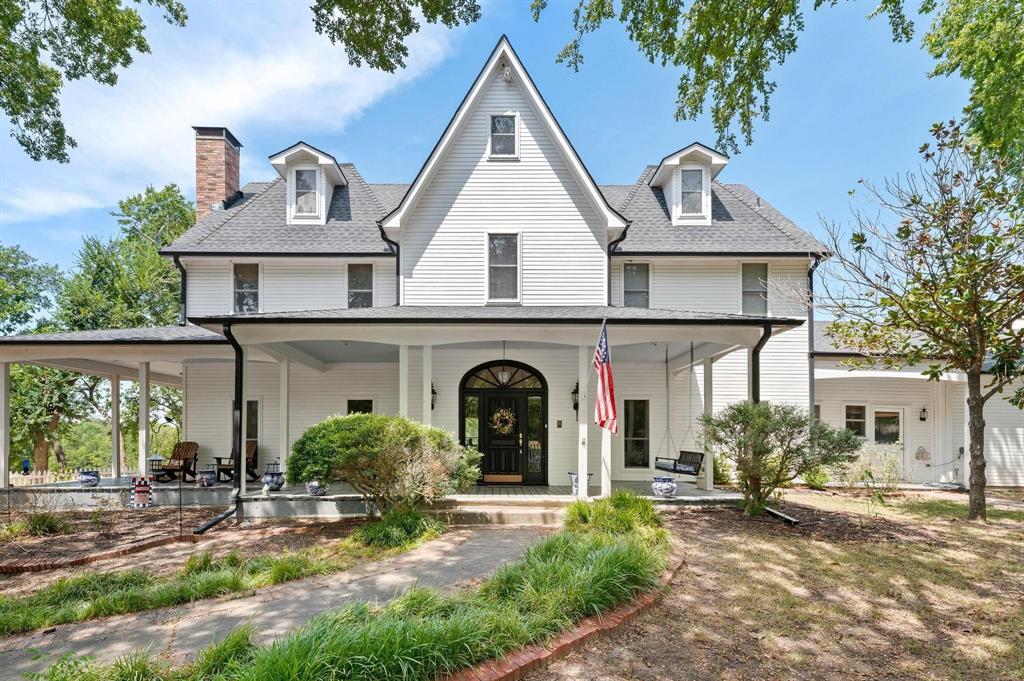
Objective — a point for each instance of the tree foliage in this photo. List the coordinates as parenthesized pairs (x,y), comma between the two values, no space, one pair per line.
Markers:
(933,275)
(773,444)
(726,49)
(26,286)
(45,42)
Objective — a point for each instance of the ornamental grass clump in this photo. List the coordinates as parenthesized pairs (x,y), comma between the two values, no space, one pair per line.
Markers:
(391,461)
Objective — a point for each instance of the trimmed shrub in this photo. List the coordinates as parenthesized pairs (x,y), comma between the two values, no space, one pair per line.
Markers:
(398,528)
(816,478)
(390,460)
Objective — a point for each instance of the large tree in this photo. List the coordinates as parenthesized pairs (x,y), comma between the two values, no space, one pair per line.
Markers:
(932,274)
(726,49)
(26,288)
(43,43)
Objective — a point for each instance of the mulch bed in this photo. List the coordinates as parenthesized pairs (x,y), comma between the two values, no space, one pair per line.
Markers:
(96,532)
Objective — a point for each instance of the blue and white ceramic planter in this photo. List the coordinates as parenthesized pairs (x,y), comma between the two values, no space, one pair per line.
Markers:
(314,488)
(663,487)
(273,480)
(206,478)
(89,478)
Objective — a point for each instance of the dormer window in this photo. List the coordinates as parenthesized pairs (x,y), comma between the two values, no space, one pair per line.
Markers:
(306,199)
(691,185)
(504,136)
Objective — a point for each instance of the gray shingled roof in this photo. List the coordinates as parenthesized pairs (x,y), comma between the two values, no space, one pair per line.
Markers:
(155,334)
(567,314)
(742,222)
(822,343)
(257,224)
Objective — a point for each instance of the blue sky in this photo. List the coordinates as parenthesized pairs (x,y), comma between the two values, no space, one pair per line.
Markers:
(849,104)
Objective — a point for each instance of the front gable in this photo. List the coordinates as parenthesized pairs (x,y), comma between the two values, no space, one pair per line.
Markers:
(503,174)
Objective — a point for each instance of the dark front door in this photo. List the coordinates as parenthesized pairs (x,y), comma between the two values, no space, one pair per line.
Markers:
(504,424)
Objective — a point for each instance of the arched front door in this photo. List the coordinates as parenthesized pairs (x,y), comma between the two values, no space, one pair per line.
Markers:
(505,416)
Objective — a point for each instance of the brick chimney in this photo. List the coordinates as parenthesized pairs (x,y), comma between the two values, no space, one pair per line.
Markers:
(217,153)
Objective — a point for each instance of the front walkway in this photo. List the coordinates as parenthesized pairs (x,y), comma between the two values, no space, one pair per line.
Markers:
(179,632)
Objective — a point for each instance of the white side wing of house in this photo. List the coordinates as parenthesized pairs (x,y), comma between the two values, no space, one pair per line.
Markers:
(444,247)
(1004,440)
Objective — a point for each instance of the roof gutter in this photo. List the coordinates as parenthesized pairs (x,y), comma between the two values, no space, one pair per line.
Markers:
(396,250)
(612,245)
(810,335)
(183,302)
(755,364)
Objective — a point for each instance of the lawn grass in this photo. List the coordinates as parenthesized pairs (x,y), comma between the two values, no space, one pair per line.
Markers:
(947,509)
(423,633)
(102,594)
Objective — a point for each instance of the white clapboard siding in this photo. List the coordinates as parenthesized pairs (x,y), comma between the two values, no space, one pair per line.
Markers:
(1004,440)
(286,284)
(443,238)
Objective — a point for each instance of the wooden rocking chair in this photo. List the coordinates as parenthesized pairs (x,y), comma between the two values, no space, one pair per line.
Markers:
(226,467)
(182,461)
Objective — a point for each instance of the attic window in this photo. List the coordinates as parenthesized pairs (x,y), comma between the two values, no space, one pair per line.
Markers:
(305,191)
(503,136)
(691,183)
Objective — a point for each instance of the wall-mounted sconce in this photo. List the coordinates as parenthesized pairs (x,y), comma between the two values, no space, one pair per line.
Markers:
(433,396)
(924,414)
(576,400)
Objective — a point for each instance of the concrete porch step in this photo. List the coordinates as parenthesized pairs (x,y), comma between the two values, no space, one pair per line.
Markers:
(474,501)
(500,515)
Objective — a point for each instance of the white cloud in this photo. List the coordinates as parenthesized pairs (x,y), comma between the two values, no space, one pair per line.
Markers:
(251,67)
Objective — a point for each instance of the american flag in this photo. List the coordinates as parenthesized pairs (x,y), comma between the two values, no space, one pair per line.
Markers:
(604,406)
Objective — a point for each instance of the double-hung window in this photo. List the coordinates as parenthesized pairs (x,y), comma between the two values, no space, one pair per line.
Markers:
(503,267)
(637,439)
(755,288)
(360,406)
(691,186)
(857,419)
(503,136)
(636,285)
(252,421)
(247,287)
(360,285)
(306,192)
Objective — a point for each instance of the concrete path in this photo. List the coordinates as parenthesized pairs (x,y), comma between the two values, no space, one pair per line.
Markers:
(179,632)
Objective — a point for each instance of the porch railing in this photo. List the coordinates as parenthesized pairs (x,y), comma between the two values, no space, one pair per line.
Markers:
(49,477)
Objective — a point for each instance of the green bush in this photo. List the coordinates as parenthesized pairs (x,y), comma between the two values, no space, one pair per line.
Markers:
(722,472)
(390,460)
(816,478)
(772,444)
(399,527)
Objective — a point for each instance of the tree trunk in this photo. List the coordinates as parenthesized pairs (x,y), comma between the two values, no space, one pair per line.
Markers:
(976,428)
(40,453)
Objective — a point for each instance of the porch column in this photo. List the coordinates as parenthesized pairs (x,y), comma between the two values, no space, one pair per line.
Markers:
(583,374)
(606,462)
(965,463)
(5,425)
(428,371)
(706,480)
(244,477)
(115,426)
(283,414)
(144,435)
(403,381)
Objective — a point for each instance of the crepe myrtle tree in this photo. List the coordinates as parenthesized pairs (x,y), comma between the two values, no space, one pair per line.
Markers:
(933,275)
(771,444)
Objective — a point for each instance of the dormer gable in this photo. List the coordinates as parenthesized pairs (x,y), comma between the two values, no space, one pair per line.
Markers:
(311,176)
(685,177)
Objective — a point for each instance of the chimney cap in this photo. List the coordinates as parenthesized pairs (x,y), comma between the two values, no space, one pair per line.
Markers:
(218,132)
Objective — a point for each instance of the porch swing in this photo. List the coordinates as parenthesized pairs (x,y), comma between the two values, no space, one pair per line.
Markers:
(688,462)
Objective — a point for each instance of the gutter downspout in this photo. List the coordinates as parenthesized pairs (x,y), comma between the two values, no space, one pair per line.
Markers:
(183,303)
(755,364)
(810,336)
(396,249)
(611,247)
(236,438)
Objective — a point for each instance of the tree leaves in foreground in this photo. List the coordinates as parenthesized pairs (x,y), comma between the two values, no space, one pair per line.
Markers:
(933,275)
(726,49)
(45,42)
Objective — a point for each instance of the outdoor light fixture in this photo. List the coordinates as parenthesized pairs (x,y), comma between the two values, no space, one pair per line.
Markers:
(924,414)
(433,396)
(575,394)
(504,376)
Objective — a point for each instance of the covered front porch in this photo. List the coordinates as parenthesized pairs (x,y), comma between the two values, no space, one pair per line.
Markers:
(262,380)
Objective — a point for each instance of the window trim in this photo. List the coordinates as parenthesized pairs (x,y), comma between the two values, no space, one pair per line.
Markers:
(622,280)
(519,267)
(491,156)
(259,284)
(293,193)
(767,285)
(867,418)
(373,282)
(650,459)
(703,213)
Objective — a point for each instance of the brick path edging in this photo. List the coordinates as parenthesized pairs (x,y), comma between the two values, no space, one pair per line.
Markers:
(21,565)
(517,664)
